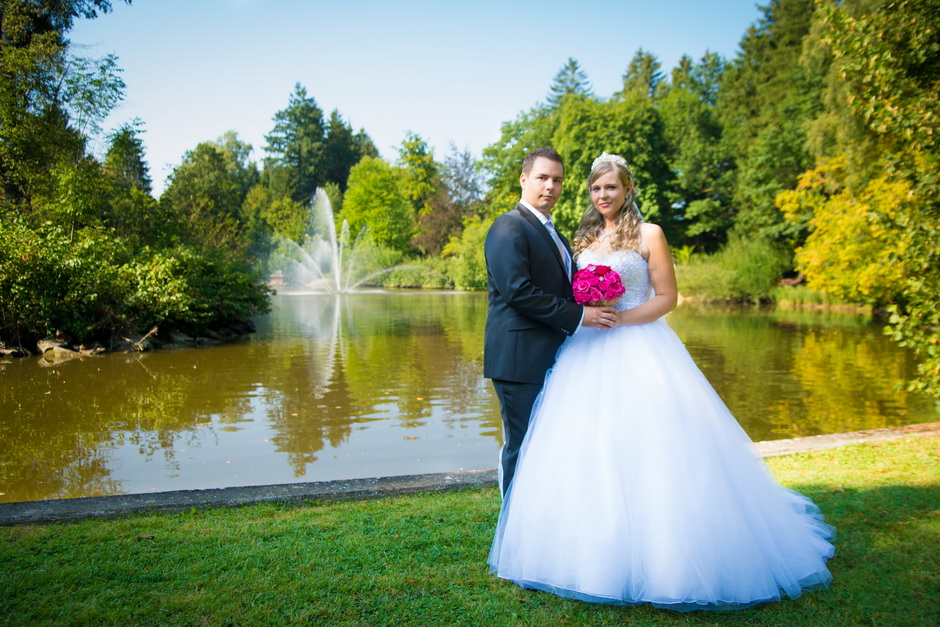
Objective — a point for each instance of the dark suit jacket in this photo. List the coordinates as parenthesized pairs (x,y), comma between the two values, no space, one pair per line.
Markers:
(531,306)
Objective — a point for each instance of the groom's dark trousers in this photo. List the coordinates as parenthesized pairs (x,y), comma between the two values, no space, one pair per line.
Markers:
(530,312)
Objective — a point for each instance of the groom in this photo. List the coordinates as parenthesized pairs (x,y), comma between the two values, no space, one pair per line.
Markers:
(531,305)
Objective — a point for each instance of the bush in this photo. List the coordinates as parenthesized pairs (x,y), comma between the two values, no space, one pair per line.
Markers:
(89,286)
(190,289)
(466,261)
(51,283)
(745,270)
(425,272)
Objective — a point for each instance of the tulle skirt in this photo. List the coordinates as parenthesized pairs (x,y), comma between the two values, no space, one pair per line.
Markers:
(636,485)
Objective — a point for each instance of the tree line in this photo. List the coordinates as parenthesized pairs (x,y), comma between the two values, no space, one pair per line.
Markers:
(809,158)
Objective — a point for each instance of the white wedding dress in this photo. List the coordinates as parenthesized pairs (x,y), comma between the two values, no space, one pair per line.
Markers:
(635,484)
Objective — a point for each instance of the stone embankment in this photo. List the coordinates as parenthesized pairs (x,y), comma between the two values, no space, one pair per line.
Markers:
(60,510)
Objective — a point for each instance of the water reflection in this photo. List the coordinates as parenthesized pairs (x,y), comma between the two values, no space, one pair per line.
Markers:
(342,386)
(787,373)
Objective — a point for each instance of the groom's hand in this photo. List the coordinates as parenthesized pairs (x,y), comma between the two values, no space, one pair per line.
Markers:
(599,317)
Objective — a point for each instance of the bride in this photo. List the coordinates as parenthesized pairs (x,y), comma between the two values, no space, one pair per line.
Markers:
(635,484)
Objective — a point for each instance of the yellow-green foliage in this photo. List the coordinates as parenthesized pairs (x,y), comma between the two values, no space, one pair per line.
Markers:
(467,263)
(855,247)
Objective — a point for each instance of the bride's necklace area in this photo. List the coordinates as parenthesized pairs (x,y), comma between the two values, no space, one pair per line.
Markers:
(600,246)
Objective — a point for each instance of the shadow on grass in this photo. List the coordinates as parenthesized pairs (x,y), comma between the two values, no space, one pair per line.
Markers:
(886,570)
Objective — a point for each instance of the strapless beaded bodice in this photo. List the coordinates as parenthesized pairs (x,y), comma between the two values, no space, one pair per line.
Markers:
(633,270)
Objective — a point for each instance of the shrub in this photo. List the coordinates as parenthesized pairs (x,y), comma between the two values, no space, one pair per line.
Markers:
(51,282)
(466,261)
(89,285)
(743,270)
(424,272)
(186,288)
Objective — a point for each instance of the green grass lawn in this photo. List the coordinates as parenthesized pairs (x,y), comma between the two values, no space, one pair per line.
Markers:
(421,560)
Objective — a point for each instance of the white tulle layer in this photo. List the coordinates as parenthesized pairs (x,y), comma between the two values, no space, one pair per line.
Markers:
(636,485)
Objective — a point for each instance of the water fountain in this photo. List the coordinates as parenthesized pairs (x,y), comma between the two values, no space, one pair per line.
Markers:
(327,262)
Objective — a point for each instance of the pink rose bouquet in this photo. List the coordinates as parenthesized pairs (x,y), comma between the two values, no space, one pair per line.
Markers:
(597,286)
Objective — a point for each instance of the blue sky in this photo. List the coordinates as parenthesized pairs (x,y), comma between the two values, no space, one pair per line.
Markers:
(449,71)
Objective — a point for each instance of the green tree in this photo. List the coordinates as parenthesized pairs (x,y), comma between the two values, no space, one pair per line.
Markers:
(631,127)
(85,250)
(888,58)
(241,169)
(464,179)
(701,193)
(342,149)
(420,170)
(90,89)
(851,234)
(467,263)
(459,189)
(707,75)
(376,201)
(340,152)
(502,160)
(296,147)
(440,220)
(437,217)
(207,190)
(766,98)
(278,215)
(570,79)
(125,160)
(365,147)
(643,75)
(682,74)
(79,196)
(131,209)
(40,86)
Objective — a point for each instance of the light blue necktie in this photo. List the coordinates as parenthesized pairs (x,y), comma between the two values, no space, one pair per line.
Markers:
(561,247)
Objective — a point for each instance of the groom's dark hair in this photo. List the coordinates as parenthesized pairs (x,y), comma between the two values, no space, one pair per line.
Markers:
(546,152)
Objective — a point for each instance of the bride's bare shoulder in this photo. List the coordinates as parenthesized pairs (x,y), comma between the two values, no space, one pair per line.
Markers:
(651,235)
(650,230)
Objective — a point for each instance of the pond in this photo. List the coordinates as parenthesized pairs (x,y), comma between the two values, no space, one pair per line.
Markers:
(389,383)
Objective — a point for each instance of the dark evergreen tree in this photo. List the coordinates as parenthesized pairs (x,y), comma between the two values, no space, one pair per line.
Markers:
(131,209)
(125,161)
(570,79)
(643,75)
(766,98)
(340,151)
(296,146)
(696,154)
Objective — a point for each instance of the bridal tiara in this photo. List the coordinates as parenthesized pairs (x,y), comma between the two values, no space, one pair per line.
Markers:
(609,158)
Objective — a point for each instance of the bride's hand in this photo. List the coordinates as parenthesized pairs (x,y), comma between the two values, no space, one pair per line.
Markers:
(599,317)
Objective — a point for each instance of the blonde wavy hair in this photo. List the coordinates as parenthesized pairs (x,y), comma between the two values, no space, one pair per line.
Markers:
(627,234)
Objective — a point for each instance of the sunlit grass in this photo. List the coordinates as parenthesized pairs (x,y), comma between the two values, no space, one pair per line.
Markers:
(422,560)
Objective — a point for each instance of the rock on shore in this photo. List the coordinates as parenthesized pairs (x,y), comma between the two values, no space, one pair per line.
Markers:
(59,350)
